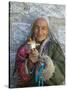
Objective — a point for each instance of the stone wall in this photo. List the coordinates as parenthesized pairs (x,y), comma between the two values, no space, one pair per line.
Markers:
(22,16)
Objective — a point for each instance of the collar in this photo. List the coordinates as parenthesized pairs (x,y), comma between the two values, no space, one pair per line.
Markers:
(43,44)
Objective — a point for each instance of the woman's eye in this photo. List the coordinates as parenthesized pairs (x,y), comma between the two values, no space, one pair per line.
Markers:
(43,28)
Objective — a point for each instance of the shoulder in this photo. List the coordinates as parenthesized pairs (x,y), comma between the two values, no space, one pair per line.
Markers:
(23,50)
(55,44)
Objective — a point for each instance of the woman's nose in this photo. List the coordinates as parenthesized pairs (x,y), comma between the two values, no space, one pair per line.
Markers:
(39,31)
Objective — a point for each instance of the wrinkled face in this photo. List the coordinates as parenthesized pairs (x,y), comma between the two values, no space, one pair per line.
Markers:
(40,29)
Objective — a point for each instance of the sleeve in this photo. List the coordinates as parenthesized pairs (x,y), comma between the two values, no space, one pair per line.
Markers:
(21,58)
(59,61)
(49,69)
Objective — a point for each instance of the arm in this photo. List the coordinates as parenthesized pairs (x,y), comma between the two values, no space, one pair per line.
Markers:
(49,69)
(58,59)
(21,59)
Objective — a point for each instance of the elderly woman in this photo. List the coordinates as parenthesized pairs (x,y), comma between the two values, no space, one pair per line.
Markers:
(43,64)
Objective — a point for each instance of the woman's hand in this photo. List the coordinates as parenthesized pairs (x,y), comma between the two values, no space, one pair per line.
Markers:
(33,56)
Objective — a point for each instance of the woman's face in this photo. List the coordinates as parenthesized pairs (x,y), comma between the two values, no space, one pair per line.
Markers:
(40,30)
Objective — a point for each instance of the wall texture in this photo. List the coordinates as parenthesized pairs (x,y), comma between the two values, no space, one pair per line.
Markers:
(22,16)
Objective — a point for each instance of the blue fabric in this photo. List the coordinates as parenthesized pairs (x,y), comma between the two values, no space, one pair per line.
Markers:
(39,78)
